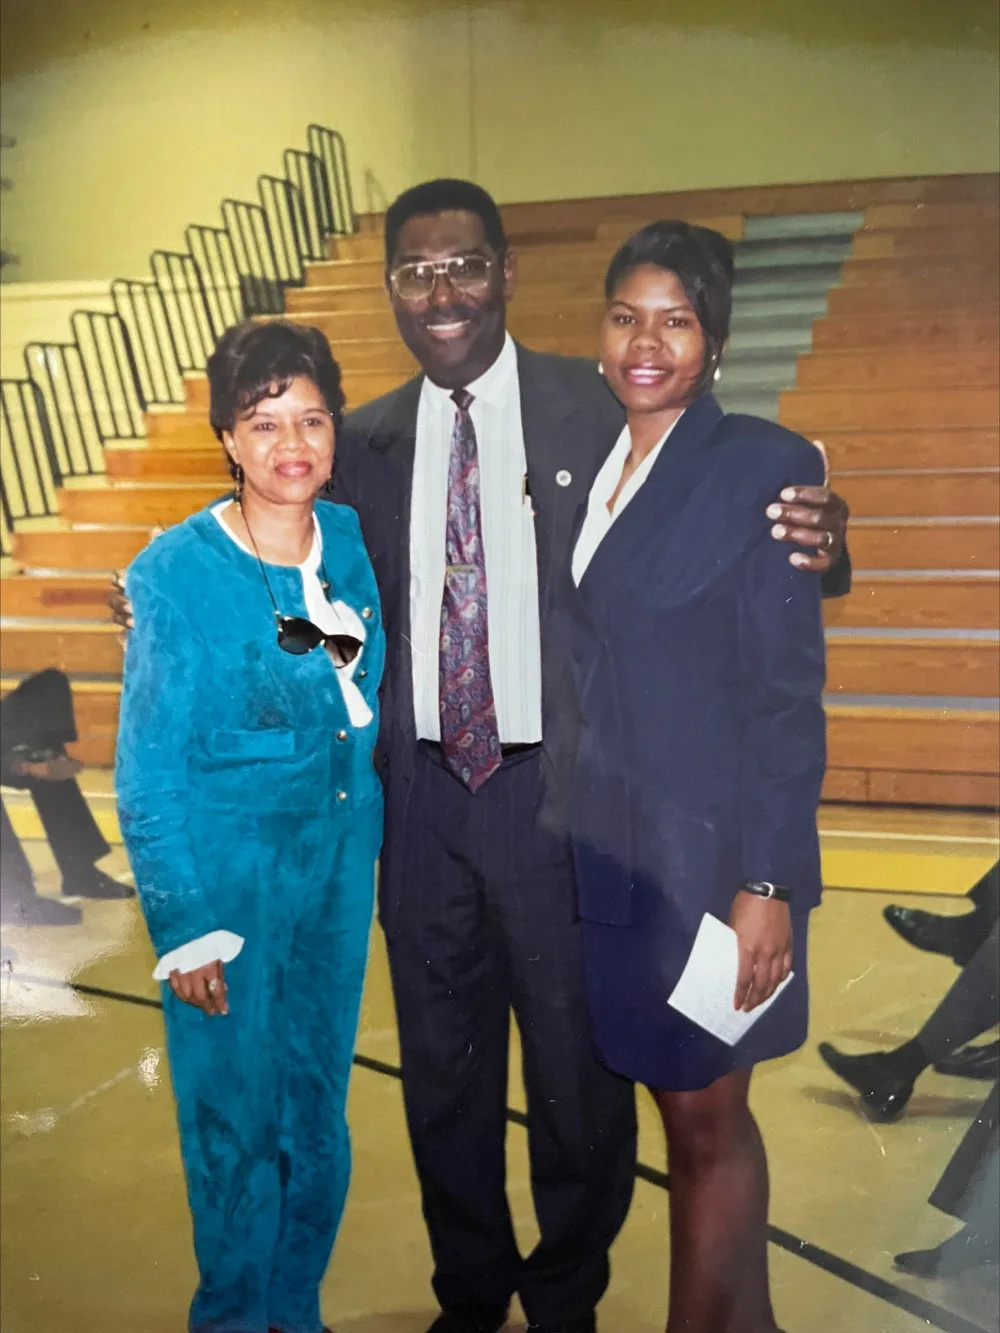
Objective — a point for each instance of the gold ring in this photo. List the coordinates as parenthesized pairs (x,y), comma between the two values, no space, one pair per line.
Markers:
(827,546)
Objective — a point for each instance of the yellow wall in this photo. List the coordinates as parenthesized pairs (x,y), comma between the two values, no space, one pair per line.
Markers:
(135,117)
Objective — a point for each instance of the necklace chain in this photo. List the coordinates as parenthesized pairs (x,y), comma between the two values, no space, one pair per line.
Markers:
(324,581)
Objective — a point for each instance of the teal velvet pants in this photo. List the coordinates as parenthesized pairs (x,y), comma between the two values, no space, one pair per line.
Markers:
(261,1092)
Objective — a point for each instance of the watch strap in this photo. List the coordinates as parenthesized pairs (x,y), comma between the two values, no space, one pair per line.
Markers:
(763,888)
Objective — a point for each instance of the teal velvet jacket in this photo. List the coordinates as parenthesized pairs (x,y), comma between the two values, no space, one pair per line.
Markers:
(238,769)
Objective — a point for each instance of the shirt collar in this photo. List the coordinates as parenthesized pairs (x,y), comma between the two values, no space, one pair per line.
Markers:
(491,385)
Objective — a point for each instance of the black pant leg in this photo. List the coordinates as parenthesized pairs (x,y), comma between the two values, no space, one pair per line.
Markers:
(970,1007)
(581,1116)
(963,1186)
(452,996)
(16,880)
(986,897)
(70,827)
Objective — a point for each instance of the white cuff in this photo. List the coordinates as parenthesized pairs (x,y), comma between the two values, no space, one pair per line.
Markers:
(220,946)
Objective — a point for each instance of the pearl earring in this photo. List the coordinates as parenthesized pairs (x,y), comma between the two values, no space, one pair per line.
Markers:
(600,367)
(718,374)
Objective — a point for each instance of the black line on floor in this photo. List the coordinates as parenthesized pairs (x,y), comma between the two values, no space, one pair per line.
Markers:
(934,1315)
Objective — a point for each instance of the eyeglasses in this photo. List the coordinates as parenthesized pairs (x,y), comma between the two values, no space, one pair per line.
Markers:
(466,273)
(299,636)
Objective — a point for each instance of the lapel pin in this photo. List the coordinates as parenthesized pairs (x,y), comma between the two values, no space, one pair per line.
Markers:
(564,478)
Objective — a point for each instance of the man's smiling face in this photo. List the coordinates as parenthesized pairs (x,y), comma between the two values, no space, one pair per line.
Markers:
(455,333)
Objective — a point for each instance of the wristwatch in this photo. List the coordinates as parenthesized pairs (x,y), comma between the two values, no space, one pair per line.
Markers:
(763,888)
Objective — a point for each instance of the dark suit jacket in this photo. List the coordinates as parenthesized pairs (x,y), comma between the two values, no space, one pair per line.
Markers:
(570,421)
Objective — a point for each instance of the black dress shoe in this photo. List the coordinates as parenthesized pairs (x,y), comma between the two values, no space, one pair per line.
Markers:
(472,1320)
(884,1092)
(94,883)
(972,1062)
(954,936)
(954,1256)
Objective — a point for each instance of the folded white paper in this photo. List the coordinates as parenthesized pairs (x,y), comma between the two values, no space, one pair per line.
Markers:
(708,983)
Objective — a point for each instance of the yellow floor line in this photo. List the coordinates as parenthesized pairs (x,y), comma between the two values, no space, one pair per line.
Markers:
(952,873)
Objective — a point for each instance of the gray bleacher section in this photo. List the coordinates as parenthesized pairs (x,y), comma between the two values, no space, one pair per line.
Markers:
(784,268)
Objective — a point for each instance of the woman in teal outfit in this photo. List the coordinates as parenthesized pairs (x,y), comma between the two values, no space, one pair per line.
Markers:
(252,815)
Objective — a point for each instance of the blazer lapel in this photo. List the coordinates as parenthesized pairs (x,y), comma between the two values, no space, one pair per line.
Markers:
(663,494)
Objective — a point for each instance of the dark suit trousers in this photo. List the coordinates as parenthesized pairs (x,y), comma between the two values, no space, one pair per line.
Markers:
(971,1005)
(970,1185)
(485,923)
(39,712)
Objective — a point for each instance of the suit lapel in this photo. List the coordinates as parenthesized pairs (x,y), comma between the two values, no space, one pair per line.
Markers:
(393,436)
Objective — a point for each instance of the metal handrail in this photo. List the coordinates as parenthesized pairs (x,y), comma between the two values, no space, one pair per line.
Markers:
(29,481)
(329,147)
(98,386)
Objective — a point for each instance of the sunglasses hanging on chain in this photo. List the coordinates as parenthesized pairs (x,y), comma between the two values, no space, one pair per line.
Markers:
(299,636)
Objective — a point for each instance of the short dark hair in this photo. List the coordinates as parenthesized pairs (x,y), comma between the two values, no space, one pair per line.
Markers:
(703,260)
(443,196)
(256,361)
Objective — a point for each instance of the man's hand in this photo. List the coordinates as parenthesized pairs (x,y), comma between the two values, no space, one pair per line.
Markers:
(764,931)
(205,988)
(811,516)
(121,607)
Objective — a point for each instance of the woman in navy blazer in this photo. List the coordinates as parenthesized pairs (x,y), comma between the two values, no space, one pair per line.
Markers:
(699,662)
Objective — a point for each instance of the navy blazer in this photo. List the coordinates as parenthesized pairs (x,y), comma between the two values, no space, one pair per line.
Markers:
(699,663)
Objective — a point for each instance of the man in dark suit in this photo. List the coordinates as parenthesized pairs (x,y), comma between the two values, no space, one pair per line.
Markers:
(467,481)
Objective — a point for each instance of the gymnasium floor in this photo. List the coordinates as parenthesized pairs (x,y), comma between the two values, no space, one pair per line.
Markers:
(94,1225)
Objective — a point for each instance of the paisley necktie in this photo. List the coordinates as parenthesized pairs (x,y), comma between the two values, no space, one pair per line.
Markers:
(470,739)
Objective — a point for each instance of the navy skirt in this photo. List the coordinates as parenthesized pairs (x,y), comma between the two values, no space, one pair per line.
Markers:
(632,970)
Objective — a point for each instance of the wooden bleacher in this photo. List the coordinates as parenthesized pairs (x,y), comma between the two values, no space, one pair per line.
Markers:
(900,381)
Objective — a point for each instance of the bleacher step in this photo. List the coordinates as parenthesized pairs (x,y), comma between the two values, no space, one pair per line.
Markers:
(856,450)
(948,330)
(934,494)
(912,543)
(920,601)
(813,411)
(62,596)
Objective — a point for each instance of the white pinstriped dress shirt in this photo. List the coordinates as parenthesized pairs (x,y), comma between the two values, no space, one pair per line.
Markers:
(508,543)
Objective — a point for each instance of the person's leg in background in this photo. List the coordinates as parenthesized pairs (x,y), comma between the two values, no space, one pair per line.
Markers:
(956,937)
(968,1190)
(20,902)
(885,1079)
(37,723)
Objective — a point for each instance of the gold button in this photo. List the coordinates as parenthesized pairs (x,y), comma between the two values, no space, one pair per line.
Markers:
(341,795)
(341,735)
(366,613)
